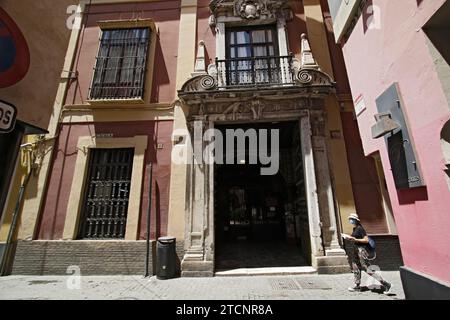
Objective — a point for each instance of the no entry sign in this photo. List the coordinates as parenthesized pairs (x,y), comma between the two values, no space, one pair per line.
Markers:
(14,52)
(8,114)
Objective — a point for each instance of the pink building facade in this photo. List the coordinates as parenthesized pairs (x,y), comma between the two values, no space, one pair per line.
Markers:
(397,57)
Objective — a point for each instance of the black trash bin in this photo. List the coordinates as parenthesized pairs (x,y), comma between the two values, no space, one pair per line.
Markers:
(166,258)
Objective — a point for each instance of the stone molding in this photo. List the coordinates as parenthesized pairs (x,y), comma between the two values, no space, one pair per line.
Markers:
(249,9)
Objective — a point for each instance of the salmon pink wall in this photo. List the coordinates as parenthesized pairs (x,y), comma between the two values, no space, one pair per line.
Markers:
(166,15)
(399,52)
(52,221)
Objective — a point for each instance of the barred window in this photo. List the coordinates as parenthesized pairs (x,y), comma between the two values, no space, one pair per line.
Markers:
(121,64)
(107,193)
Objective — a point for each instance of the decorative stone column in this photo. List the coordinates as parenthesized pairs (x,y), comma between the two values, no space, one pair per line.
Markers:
(334,259)
(312,198)
(326,197)
(198,260)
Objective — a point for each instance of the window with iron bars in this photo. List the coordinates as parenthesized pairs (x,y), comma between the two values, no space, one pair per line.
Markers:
(252,58)
(121,64)
(107,193)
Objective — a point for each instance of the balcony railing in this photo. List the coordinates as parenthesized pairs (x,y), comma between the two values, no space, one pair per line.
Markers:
(255,72)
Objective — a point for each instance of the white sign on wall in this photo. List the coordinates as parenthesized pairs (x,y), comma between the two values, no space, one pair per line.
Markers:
(360,105)
(8,114)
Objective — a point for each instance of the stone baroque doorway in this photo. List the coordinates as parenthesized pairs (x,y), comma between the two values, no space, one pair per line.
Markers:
(302,101)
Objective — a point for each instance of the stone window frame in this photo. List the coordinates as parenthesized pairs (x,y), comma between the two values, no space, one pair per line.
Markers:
(151,53)
(75,203)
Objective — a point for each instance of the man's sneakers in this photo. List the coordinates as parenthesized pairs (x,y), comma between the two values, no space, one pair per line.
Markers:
(355,288)
(387,288)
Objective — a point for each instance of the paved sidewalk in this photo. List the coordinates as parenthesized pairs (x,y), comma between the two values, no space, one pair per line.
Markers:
(300,287)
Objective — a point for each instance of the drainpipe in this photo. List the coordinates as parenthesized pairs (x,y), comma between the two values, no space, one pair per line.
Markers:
(149,211)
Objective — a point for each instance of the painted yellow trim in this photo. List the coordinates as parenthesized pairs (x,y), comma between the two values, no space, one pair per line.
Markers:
(18,177)
(185,62)
(36,186)
(317,36)
(339,162)
(139,143)
(186,41)
(125,107)
(131,23)
(110,113)
(188,3)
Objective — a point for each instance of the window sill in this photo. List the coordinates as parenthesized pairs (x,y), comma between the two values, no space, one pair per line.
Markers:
(109,102)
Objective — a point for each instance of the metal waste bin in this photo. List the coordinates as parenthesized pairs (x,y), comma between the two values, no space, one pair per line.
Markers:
(166,258)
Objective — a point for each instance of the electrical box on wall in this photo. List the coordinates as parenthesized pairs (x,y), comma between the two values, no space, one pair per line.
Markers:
(402,156)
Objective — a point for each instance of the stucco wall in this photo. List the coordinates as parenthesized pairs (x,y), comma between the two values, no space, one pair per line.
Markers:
(52,221)
(43,24)
(398,52)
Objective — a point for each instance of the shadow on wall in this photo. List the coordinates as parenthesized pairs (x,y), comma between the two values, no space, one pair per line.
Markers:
(409,196)
(160,73)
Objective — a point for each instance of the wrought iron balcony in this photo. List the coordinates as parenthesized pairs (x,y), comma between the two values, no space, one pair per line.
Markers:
(255,72)
(231,82)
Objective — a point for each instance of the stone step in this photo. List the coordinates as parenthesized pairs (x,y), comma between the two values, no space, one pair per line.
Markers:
(338,269)
(331,261)
(279,271)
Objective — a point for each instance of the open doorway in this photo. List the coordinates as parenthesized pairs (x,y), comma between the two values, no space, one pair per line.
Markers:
(261,220)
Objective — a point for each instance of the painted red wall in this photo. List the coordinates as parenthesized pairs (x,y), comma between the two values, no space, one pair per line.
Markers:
(399,52)
(166,15)
(52,220)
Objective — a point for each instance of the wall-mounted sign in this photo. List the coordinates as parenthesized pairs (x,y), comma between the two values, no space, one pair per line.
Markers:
(104,135)
(360,105)
(8,114)
(14,52)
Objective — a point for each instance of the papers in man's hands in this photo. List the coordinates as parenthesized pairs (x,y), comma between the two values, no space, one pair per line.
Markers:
(346,236)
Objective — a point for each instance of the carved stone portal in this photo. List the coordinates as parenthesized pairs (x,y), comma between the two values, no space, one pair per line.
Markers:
(302,101)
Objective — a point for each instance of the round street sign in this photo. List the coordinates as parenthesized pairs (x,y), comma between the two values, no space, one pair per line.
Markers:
(14,52)
(8,114)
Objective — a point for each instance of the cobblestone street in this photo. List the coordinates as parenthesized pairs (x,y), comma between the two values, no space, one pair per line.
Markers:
(300,287)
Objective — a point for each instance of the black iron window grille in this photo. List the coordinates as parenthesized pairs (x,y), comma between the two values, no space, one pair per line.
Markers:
(107,193)
(252,59)
(121,64)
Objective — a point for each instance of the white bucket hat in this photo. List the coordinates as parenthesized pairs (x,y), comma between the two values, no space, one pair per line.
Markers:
(354,216)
